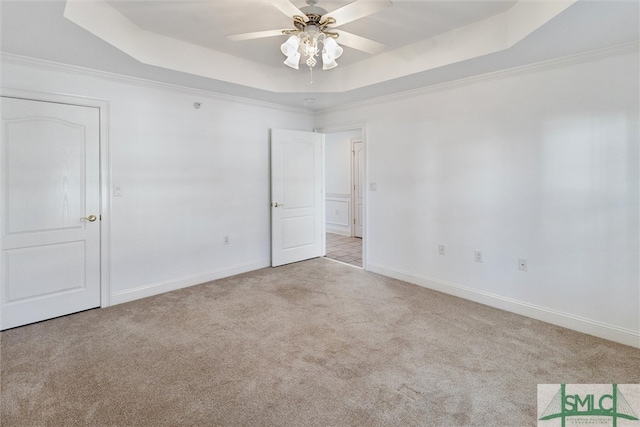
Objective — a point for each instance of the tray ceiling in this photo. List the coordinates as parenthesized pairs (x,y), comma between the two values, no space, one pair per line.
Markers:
(428,42)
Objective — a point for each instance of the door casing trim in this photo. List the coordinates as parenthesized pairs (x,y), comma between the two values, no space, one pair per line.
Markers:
(354,196)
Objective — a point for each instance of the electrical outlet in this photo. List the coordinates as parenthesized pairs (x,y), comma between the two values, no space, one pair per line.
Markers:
(225,240)
(477,256)
(441,249)
(522,264)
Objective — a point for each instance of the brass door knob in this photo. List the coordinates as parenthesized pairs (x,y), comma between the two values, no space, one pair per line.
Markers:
(90,218)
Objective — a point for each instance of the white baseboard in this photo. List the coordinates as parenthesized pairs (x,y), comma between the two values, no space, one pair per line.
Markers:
(565,320)
(343,231)
(183,282)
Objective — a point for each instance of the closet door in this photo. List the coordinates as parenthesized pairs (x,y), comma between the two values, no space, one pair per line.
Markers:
(50,259)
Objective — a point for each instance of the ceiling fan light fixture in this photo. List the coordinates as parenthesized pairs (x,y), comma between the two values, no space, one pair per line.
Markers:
(313,25)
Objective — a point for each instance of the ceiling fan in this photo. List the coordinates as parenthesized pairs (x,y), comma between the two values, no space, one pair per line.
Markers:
(314,25)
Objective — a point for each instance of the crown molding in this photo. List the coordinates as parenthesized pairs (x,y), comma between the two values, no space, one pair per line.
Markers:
(137,81)
(589,56)
(617,50)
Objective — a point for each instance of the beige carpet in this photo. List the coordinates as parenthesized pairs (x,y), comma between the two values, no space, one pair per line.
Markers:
(316,343)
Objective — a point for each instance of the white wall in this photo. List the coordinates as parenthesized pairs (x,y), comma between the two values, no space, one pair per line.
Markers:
(189,177)
(339,215)
(540,164)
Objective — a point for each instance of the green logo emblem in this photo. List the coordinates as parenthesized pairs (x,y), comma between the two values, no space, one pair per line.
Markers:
(612,405)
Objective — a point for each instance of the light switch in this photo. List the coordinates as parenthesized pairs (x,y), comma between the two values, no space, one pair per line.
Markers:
(117,191)
(373,186)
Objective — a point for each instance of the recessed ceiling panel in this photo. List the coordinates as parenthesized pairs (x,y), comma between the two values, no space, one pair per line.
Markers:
(206,23)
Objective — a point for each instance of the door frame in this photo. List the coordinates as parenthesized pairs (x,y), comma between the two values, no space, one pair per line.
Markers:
(354,195)
(363,126)
(104,174)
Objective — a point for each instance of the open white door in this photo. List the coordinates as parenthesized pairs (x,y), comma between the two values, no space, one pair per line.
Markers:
(297,202)
(358,187)
(50,204)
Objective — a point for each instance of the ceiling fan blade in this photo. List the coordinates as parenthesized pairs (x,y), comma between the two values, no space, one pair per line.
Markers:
(357,10)
(360,43)
(289,9)
(254,35)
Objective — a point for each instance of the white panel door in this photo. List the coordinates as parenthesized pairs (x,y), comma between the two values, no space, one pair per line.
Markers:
(297,202)
(358,187)
(50,259)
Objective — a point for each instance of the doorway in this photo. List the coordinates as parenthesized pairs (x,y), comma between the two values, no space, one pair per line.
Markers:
(344,183)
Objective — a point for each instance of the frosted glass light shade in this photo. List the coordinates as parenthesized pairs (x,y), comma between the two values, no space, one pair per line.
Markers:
(328,63)
(290,49)
(293,60)
(330,52)
(331,49)
(290,46)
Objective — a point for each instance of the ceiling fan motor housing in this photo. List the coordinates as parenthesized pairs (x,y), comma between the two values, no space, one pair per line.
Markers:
(315,23)
(313,10)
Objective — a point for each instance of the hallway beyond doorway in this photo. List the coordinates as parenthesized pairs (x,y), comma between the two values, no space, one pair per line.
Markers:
(345,249)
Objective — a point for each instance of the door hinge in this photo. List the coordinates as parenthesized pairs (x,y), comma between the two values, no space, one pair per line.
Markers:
(100,217)
(354,221)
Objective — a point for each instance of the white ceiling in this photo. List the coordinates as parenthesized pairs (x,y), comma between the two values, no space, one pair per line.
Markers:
(39,29)
(206,23)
